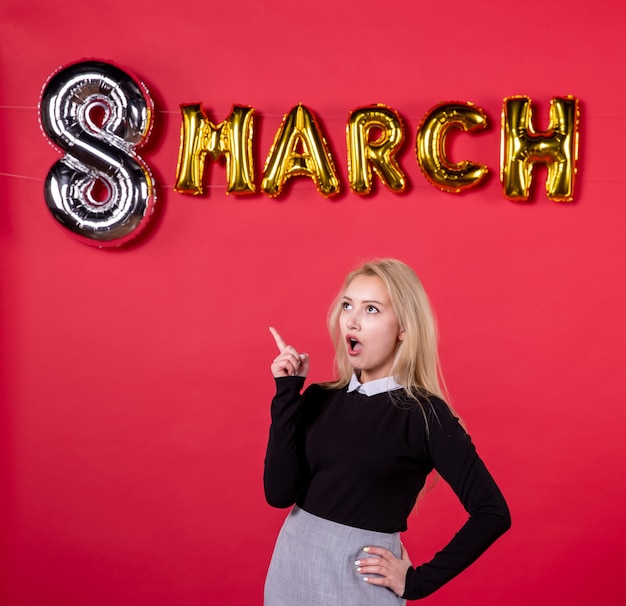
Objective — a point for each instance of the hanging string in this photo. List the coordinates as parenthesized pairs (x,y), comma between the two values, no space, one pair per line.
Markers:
(205,187)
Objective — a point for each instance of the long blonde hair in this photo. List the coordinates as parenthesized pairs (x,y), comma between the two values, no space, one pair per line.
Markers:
(416,365)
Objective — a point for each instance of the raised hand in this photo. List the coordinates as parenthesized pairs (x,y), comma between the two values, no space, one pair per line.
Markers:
(288,362)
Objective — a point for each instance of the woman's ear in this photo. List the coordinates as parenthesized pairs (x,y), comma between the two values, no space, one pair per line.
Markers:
(401,335)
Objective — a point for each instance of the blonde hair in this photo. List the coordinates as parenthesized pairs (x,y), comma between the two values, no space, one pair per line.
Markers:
(416,365)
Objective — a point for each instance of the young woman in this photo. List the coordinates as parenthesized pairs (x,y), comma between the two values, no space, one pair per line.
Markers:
(353,455)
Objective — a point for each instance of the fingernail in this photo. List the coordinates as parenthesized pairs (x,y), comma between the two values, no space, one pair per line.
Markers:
(365,579)
(359,569)
(357,563)
(366,548)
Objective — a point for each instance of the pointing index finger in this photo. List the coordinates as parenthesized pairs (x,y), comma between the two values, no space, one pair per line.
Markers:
(280,343)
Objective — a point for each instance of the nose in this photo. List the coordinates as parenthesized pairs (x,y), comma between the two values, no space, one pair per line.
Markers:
(352,321)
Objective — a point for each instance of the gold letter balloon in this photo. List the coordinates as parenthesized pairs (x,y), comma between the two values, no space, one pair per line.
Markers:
(431,146)
(98,114)
(231,138)
(367,153)
(299,149)
(522,147)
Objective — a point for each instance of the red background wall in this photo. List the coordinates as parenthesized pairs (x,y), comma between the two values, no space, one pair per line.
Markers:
(135,382)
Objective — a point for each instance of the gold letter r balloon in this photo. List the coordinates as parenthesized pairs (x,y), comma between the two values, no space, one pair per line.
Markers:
(378,153)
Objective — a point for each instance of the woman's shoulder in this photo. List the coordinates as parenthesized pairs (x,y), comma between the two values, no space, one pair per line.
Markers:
(419,398)
(326,387)
(322,390)
(425,406)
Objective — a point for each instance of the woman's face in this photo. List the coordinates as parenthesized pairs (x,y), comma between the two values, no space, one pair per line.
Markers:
(369,328)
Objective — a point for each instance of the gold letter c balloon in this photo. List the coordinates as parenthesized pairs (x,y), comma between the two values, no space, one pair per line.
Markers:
(431,146)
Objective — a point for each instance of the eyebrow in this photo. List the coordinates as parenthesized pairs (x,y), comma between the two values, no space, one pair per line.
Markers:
(367,301)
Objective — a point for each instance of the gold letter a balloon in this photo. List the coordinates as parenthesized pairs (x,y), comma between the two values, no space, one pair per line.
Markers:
(299,149)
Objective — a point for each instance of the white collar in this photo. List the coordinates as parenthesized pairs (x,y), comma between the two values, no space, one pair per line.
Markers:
(372,388)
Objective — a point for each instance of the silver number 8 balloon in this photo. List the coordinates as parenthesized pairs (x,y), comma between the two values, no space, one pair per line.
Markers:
(98,114)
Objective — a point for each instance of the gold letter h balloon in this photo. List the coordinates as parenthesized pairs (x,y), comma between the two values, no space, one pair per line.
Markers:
(522,148)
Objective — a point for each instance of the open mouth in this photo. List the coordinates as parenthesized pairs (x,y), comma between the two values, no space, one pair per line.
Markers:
(354,345)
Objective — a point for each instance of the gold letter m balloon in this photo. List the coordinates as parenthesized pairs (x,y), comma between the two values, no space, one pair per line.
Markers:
(231,138)
(522,148)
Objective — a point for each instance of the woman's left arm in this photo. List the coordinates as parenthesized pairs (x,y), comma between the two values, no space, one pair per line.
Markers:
(455,458)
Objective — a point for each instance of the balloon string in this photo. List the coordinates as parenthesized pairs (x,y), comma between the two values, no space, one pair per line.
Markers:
(165,111)
(172,112)
(342,117)
(18,107)
(325,117)
(40,180)
(21,177)
(214,187)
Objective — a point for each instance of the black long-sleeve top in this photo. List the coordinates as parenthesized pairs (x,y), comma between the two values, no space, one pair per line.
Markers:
(361,461)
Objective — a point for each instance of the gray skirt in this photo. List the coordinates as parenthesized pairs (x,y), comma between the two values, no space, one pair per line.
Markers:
(313,564)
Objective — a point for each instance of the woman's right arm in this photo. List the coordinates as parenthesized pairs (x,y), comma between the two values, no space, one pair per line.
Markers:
(284,462)
(285,466)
